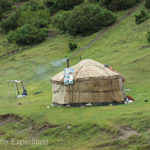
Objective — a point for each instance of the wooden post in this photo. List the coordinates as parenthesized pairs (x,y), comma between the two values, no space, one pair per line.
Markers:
(9,88)
(17,88)
(72,94)
(22,85)
(67,63)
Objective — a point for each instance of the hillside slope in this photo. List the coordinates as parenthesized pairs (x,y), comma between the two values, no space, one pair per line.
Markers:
(124,47)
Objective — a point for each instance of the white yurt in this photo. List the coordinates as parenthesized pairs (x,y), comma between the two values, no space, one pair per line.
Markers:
(93,83)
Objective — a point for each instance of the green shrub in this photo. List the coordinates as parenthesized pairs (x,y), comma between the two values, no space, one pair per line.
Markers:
(49,3)
(1,13)
(147,4)
(4,6)
(11,22)
(39,18)
(87,19)
(34,5)
(72,46)
(91,1)
(59,21)
(27,35)
(28,25)
(141,17)
(20,0)
(119,4)
(67,4)
(51,6)
(148,36)
(55,5)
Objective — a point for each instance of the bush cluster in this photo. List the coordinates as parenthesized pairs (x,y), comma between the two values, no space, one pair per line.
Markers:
(147,4)
(141,17)
(119,4)
(67,4)
(39,18)
(148,36)
(72,46)
(19,0)
(59,21)
(27,35)
(28,25)
(84,19)
(4,6)
(55,5)
(11,22)
(93,1)
(115,5)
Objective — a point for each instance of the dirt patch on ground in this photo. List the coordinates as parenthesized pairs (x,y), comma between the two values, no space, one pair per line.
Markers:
(35,131)
(117,141)
(9,118)
(111,132)
(147,46)
(43,128)
(126,132)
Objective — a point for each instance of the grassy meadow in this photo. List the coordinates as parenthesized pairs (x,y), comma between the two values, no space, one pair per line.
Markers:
(124,47)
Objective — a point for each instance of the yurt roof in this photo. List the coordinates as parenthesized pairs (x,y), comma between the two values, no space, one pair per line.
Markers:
(87,70)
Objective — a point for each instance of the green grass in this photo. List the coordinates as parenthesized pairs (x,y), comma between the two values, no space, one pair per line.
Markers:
(124,48)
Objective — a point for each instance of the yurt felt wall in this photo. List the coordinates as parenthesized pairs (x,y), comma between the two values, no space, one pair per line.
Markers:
(97,91)
(93,83)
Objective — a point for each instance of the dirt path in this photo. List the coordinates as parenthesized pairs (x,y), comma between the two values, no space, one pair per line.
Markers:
(127,132)
(101,34)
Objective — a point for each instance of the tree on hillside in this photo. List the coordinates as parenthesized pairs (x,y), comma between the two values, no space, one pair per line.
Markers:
(147,4)
(85,19)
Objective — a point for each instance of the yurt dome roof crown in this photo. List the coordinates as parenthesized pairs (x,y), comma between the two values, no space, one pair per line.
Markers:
(88,70)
